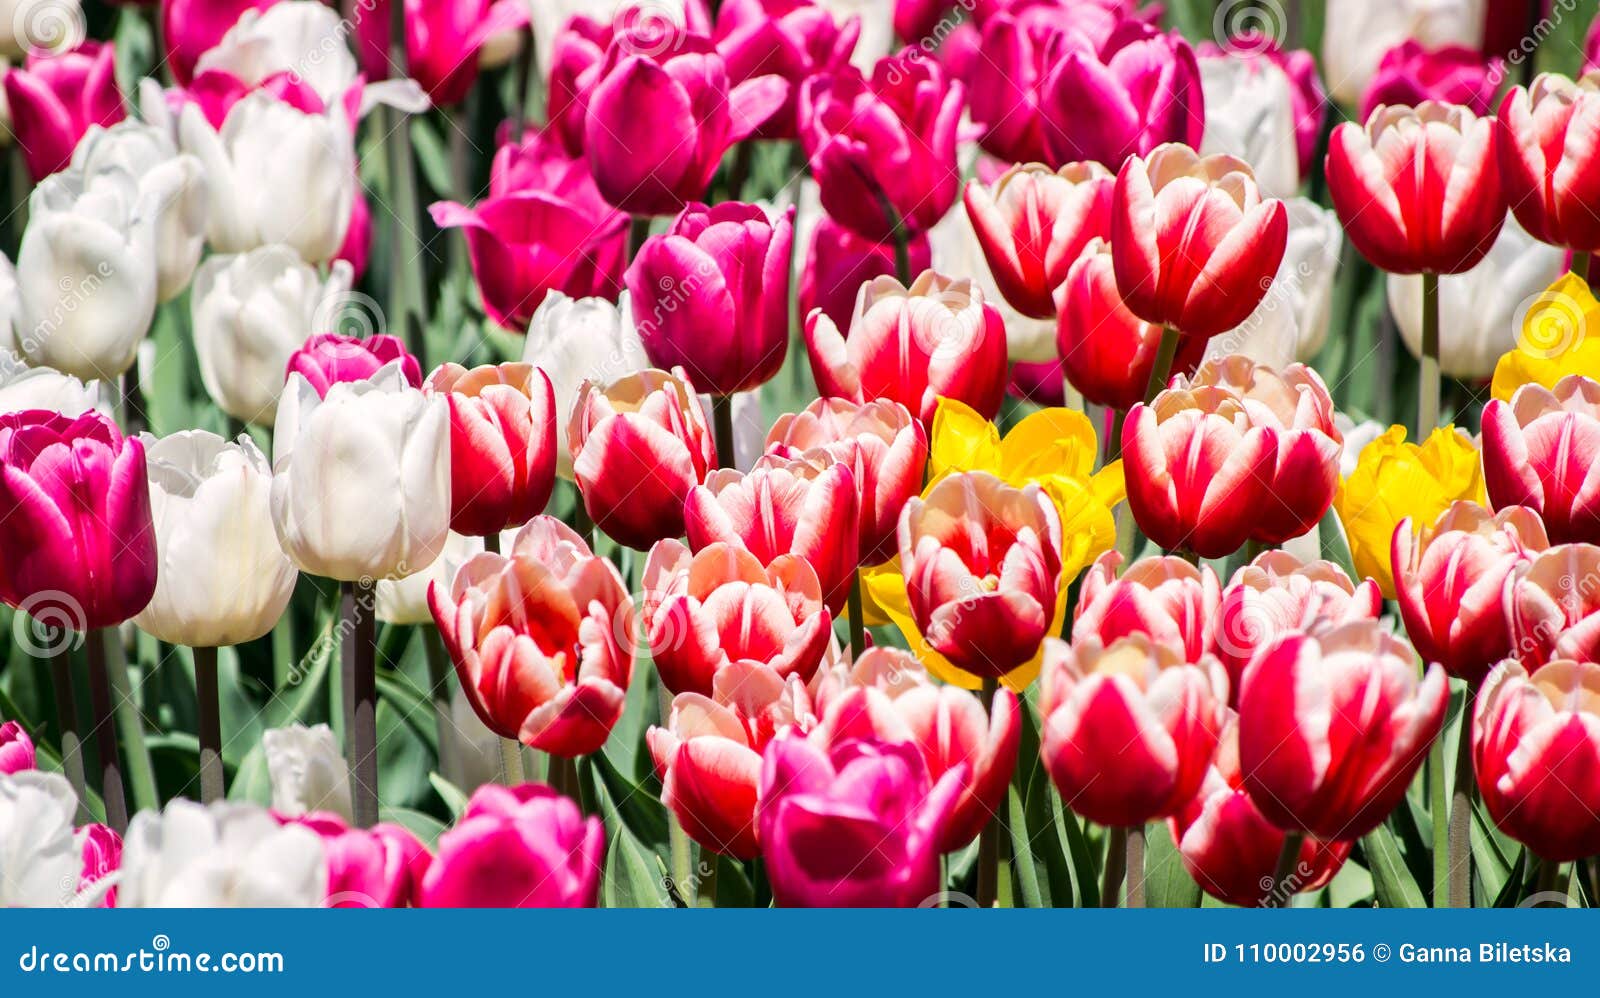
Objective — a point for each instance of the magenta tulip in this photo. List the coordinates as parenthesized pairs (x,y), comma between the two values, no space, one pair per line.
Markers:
(328,359)
(517,847)
(794,39)
(377,867)
(16,748)
(839,263)
(192,27)
(55,98)
(1452,74)
(443,39)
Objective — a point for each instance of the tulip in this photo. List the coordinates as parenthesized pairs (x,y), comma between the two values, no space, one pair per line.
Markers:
(378,867)
(1128,728)
(1194,243)
(1536,749)
(1393,181)
(1250,114)
(576,55)
(883,149)
(1291,323)
(502,444)
(667,16)
(712,295)
(913,345)
(85,276)
(79,543)
(224,855)
(542,639)
(361,477)
(1231,850)
(1393,481)
(1032,225)
(327,359)
(1333,725)
(955,249)
(443,40)
(709,753)
(838,262)
(1308,99)
(794,39)
(638,446)
(982,561)
(661,118)
(405,601)
(307,771)
(43,388)
(853,825)
(42,862)
(1355,42)
(517,847)
(101,849)
(192,27)
(1547,163)
(891,699)
(251,313)
(1452,74)
(1552,343)
(1551,604)
(1535,451)
(223,579)
(882,445)
(709,611)
(1168,600)
(56,98)
(16,749)
(1451,576)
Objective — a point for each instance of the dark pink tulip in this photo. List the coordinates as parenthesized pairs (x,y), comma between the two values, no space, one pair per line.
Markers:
(357,247)
(883,150)
(916,20)
(216,91)
(1542,450)
(329,358)
(377,867)
(1333,725)
(77,547)
(55,98)
(191,27)
(794,39)
(1550,159)
(839,262)
(1450,578)
(1536,749)
(575,63)
(1452,74)
(856,825)
(1169,600)
(1552,604)
(1128,728)
(518,847)
(16,748)
(711,295)
(443,39)
(1033,224)
(101,849)
(1041,384)
(502,444)
(661,117)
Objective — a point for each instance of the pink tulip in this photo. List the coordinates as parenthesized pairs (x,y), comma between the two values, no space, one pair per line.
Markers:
(794,39)
(1552,604)
(192,27)
(1536,750)
(855,825)
(1452,74)
(16,748)
(1032,225)
(661,117)
(517,847)
(1451,577)
(937,338)
(576,57)
(709,611)
(883,150)
(77,547)
(1128,728)
(709,753)
(1542,450)
(357,247)
(378,867)
(982,563)
(101,849)
(1333,725)
(883,445)
(502,444)
(711,295)
(327,359)
(1041,384)
(638,446)
(1549,160)
(1194,243)
(839,262)
(1169,600)
(443,39)
(55,98)
(542,639)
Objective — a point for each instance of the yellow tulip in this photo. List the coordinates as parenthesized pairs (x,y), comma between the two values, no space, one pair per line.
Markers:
(1560,336)
(1394,480)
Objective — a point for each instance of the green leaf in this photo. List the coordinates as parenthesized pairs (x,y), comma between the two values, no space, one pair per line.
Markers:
(632,880)
(424,827)
(453,798)
(433,155)
(1167,883)
(1023,864)
(1392,883)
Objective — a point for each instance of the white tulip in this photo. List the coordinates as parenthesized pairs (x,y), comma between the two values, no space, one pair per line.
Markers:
(1357,33)
(251,312)
(175,181)
(39,26)
(1291,323)
(1249,115)
(39,861)
(277,175)
(361,479)
(23,387)
(225,855)
(1356,437)
(1480,311)
(86,273)
(307,771)
(405,600)
(954,249)
(10,305)
(222,578)
(578,340)
(877,28)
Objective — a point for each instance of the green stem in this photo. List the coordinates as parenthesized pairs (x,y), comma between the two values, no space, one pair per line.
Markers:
(1461,811)
(1163,366)
(989,838)
(722,418)
(511,770)
(130,729)
(206,698)
(637,234)
(1116,866)
(902,253)
(1283,888)
(105,734)
(439,680)
(858,624)
(1428,383)
(1438,803)
(67,717)
(1580,266)
(361,683)
(1135,867)
(680,858)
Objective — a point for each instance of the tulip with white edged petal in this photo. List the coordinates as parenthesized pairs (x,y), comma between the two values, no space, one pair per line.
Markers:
(307,771)
(957,251)
(224,855)
(1291,323)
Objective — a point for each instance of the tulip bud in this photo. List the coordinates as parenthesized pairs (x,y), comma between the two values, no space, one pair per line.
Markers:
(838,262)
(42,862)
(1451,74)
(578,340)
(307,771)
(1355,41)
(1546,176)
(223,855)
(502,444)
(378,867)
(794,39)
(1169,600)
(1552,604)
(327,359)
(443,40)
(55,98)
(542,851)
(1533,451)
(1250,114)
(16,749)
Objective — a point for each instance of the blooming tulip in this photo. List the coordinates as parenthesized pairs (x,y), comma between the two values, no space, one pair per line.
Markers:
(42,863)
(1333,725)
(361,477)
(1536,749)
(1250,114)
(192,27)
(307,771)
(223,579)
(542,639)
(1194,243)
(56,98)
(328,359)
(79,543)
(1552,343)
(709,753)
(443,40)
(502,444)
(251,313)
(854,825)
(955,249)
(1169,600)
(43,388)
(982,561)
(883,149)
(1418,189)
(1548,161)
(712,295)
(1355,41)
(1452,74)
(638,446)
(1032,225)
(1552,605)
(1128,728)
(223,855)
(551,16)
(517,847)
(1291,323)
(708,611)
(1537,452)
(378,867)
(794,39)
(405,600)
(16,749)
(101,849)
